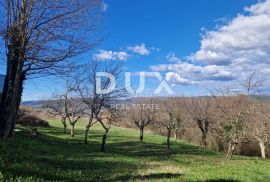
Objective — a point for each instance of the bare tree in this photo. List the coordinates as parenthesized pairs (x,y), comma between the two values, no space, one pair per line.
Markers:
(199,109)
(259,124)
(233,110)
(40,38)
(89,96)
(170,117)
(258,116)
(143,115)
(106,118)
(55,106)
(252,84)
(72,105)
(95,101)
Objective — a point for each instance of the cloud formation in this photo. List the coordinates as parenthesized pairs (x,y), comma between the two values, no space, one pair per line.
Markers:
(243,40)
(228,53)
(103,55)
(175,78)
(187,73)
(140,49)
(105,6)
(125,54)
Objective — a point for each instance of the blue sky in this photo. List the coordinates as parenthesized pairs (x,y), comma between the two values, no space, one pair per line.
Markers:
(191,42)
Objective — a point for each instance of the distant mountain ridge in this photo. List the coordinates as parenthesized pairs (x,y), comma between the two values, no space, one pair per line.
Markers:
(39,103)
(34,103)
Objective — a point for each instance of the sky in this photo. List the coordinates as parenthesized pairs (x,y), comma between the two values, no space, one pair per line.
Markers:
(196,45)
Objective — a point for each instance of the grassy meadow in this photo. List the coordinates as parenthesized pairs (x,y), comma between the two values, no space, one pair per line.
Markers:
(55,156)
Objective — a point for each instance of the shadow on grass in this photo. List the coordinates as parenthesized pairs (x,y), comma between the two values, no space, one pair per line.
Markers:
(160,176)
(118,144)
(54,159)
(222,180)
(51,157)
(139,149)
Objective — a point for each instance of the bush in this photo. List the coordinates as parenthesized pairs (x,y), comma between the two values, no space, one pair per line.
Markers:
(27,117)
(32,121)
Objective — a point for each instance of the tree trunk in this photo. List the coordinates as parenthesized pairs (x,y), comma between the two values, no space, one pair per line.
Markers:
(203,126)
(23,78)
(7,92)
(72,130)
(64,122)
(231,148)
(104,138)
(86,134)
(262,146)
(176,134)
(204,142)
(65,128)
(11,93)
(141,134)
(168,138)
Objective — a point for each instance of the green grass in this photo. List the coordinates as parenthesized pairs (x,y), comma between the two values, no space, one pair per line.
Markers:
(54,156)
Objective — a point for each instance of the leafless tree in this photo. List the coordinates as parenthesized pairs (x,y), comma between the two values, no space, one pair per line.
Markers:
(258,117)
(106,119)
(259,124)
(170,117)
(89,96)
(252,84)
(40,38)
(143,115)
(72,105)
(233,109)
(199,109)
(55,106)
(97,102)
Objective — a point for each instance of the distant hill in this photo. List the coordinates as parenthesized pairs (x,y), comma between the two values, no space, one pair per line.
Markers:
(36,103)
(261,97)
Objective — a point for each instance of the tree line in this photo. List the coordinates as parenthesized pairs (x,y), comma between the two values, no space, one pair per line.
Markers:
(232,117)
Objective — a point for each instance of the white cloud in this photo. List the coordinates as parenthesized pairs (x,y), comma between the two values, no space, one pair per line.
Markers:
(175,78)
(185,73)
(105,6)
(227,54)
(155,49)
(146,74)
(200,73)
(110,55)
(172,57)
(244,40)
(161,67)
(139,49)
(260,8)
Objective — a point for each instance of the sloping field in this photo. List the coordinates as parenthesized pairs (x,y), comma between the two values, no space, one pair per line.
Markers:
(54,156)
